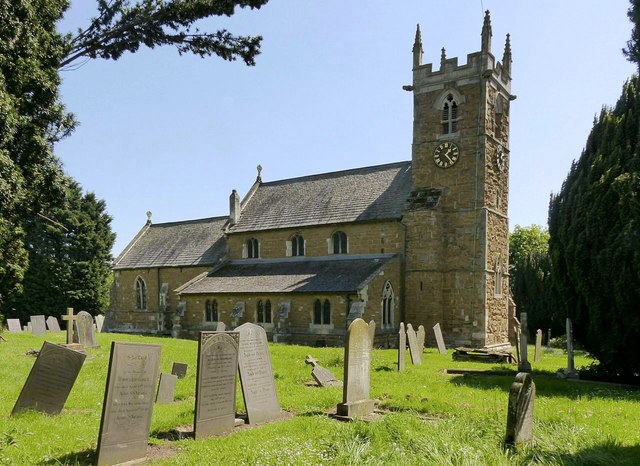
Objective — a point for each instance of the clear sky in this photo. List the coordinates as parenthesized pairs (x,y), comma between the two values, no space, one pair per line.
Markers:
(174,135)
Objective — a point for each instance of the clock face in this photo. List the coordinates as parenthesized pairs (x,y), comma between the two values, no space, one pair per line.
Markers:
(501,158)
(446,154)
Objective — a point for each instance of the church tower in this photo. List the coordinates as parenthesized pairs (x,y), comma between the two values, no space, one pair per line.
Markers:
(456,264)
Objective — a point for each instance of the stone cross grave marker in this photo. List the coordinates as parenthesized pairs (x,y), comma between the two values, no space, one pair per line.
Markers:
(70,318)
(52,324)
(128,402)
(217,370)
(38,325)
(50,380)
(220,326)
(538,352)
(372,332)
(520,411)
(420,337)
(357,366)
(86,333)
(402,347)
(14,325)
(437,331)
(414,351)
(166,389)
(323,376)
(524,365)
(570,371)
(99,323)
(256,375)
(179,369)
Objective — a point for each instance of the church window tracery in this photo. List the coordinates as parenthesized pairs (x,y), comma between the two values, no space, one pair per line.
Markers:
(339,240)
(141,293)
(449,115)
(387,304)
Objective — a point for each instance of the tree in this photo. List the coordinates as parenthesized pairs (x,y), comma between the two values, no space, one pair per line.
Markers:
(529,277)
(594,225)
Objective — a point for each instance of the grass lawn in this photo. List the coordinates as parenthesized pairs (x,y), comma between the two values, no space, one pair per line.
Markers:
(430,417)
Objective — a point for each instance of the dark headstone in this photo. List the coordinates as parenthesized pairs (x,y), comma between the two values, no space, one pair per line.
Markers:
(414,350)
(520,410)
(38,325)
(14,325)
(166,389)
(50,380)
(437,331)
(128,402)
(256,375)
(402,347)
(52,324)
(86,332)
(322,375)
(215,411)
(179,369)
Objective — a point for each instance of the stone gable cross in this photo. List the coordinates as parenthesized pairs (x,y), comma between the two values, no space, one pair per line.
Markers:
(70,318)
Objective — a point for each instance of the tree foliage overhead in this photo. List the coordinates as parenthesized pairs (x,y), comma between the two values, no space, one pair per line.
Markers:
(594,223)
(123,27)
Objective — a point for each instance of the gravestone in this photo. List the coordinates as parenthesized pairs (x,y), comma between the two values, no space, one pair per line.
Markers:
(50,380)
(52,324)
(570,371)
(29,327)
(402,347)
(322,375)
(414,351)
(524,365)
(538,352)
(256,375)
(38,325)
(85,332)
(372,332)
(217,369)
(166,389)
(420,336)
(179,369)
(220,327)
(99,323)
(357,362)
(437,331)
(520,411)
(128,402)
(14,325)
(70,318)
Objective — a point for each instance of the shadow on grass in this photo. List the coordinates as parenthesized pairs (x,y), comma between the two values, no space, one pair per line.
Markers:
(81,458)
(385,369)
(605,453)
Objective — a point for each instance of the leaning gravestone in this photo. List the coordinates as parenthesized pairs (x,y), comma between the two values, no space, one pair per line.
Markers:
(372,332)
(14,325)
(215,411)
(86,334)
(402,348)
(128,402)
(416,353)
(322,375)
(256,374)
(220,327)
(442,349)
(38,325)
(179,369)
(99,323)
(520,411)
(50,380)
(538,350)
(52,324)
(166,389)
(420,337)
(357,362)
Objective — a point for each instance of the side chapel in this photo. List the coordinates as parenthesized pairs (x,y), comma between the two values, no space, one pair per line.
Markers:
(422,241)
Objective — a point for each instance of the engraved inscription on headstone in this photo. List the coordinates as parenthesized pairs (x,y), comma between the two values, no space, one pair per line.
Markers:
(166,389)
(52,324)
(86,335)
(50,380)
(420,337)
(14,325)
(179,369)
(128,402)
(442,349)
(372,332)
(357,362)
(538,350)
(416,353)
(402,347)
(215,411)
(520,410)
(38,325)
(322,375)
(256,375)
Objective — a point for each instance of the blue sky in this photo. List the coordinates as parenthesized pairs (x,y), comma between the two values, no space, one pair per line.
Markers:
(174,135)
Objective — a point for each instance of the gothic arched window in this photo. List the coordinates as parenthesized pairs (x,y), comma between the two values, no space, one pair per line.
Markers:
(297,246)
(339,240)
(141,293)
(253,248)
(387,304)
(211,311)
(322,312)
(264,312)
(449,115)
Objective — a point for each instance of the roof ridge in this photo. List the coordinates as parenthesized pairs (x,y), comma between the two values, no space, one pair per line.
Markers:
(183,222)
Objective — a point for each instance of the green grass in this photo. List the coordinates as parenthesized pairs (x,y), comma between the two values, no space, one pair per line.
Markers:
(430,417)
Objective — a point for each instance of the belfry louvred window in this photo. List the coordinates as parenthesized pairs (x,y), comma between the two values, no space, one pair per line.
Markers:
(449,115)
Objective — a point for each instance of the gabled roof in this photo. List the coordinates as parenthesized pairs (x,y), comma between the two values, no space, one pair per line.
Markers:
(369,193)
(176,244)
(329,274)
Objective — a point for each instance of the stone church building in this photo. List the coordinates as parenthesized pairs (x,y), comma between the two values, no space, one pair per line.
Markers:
(420,241)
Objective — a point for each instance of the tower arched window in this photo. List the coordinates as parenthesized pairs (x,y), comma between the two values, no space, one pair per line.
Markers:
(297,246)
(141,293)
(253,248)
(211,311)
(322,312)
(387,304)
(449,115)
(339,241)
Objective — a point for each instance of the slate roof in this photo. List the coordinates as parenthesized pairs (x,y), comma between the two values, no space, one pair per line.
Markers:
(291,275)
(176,244)
(369,193)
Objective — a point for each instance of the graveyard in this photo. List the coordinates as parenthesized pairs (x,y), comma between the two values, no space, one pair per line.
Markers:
(422,414)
